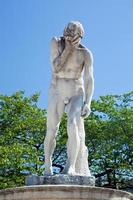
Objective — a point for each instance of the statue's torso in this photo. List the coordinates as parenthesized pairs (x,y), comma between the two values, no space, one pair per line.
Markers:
(69,80)
(73,67)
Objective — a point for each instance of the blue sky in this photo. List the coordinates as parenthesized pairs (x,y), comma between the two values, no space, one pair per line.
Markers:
(26,27)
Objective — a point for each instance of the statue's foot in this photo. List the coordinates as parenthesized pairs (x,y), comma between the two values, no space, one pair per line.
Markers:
(65,170)
(71,171)
(48,171)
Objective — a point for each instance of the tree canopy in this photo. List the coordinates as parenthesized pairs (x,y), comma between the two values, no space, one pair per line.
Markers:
(109,133)
(22,128)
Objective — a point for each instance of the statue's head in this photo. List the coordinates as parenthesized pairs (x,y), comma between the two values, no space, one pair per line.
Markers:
(74,29)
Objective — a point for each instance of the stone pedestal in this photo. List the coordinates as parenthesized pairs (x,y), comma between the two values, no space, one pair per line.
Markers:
(63,192)
(60,179)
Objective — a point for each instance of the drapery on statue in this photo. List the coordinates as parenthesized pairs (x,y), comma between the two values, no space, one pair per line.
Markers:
(71,90)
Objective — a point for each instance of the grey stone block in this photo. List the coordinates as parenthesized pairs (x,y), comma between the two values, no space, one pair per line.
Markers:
(60,179)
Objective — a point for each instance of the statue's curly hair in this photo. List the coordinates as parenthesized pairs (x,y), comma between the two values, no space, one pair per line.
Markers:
(69,30)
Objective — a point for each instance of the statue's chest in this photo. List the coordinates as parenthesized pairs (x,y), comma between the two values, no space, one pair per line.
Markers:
(75,60)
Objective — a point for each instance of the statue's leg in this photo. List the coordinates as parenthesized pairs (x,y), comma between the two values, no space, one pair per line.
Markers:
(73,144)
(81,166)
(55,111)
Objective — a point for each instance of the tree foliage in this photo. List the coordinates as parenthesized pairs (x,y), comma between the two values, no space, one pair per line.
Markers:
(109,133)
(22,128)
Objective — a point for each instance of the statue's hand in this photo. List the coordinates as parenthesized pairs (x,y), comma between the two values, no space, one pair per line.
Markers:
(86,110)
(72,42)
(76,40)
(68,46)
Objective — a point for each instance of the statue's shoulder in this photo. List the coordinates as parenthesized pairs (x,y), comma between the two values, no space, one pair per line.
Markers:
(54,41)
(57,42)
(86,51)
(89,53)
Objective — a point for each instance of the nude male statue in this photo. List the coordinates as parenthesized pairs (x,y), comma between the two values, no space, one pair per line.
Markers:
(71,90)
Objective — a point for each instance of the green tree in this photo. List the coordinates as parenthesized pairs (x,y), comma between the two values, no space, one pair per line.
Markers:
(22,128)
(109,133)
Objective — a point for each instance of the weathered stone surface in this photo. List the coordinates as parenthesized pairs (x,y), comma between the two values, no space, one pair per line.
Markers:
(63,192)
(60,179)
(70,91)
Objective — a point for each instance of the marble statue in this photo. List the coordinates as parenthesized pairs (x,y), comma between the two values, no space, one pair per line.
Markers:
(71,91)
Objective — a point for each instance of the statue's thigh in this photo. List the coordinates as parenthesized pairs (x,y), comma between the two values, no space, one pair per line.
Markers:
(74,107)
(55,110)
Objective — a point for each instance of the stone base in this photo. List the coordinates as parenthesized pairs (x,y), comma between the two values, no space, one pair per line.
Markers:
(63,192)
(60,179)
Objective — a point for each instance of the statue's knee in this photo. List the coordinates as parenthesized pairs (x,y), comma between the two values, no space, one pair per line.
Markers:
(52,127)
(50,136)
(71,121)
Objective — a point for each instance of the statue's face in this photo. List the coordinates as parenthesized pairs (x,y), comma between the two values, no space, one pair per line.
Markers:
(73,30)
